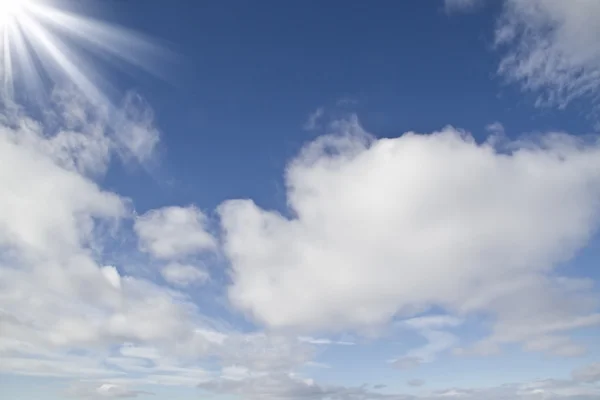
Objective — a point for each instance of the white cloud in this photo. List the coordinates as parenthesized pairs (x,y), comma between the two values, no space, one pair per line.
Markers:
(557,345)
(103,390)
(292,387)
(260,352)
(324,341)
(184,275)
(552,47)
(134,129)
(588,374)
(174,232)
(430,327)
(314,119)
(65,313)
(394,226)
(57,298)
(278,386)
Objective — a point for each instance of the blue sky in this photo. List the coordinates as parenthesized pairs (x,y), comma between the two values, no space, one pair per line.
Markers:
(315,200)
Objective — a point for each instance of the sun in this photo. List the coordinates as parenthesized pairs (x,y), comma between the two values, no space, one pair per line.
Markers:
(41,43)
(10,10)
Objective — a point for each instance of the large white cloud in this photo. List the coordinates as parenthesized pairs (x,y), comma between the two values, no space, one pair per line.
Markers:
(393,226)
(552,47)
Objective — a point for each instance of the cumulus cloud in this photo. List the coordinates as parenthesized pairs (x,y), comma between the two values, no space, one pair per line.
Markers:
(391,227)
(551,47)
(55,295)
(63,312)
(174,232)
(355,254)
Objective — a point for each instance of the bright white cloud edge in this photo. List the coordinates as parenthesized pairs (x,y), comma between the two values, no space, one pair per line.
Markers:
(56,244)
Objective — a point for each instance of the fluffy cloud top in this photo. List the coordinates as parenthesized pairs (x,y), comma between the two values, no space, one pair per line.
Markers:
(174,232)
(65,314)
(380,228)
(552,47)
(394,226)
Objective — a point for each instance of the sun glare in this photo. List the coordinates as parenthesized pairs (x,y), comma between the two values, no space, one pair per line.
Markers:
(36,44)
(10,9)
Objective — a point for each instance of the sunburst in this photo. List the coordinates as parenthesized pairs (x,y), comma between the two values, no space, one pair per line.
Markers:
(41,42)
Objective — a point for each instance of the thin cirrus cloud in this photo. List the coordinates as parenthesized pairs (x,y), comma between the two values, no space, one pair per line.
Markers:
(550,48)
(434,329)
(547,47)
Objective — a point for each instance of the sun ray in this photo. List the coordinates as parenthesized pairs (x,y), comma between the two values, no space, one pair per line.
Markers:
(7,81)
(32,34)
(52,49)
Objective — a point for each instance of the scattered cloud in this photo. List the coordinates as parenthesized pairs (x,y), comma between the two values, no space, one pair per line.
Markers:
(438,341)
(184,275)
(292,387)
(66,314)
(314,119)
(174,232)
(380,230)
(495,128)
(551,48)
(135,129)
(286,386)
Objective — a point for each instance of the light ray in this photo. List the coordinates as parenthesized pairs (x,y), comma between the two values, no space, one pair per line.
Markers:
(33,34)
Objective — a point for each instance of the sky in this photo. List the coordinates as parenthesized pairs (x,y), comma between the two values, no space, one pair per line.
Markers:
(317,200)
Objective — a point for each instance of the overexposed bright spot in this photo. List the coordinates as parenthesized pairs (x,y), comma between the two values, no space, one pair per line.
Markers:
(10,9)
(41,43)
